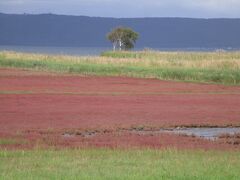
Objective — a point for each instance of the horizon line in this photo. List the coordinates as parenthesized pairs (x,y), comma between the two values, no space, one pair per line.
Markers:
(144,17)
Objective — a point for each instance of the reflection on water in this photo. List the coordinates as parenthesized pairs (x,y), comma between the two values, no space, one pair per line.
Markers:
(206,133)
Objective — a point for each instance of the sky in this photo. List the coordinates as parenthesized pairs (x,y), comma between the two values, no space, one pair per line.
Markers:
(126,8)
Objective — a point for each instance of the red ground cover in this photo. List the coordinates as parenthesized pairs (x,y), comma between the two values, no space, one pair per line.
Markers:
(45,101)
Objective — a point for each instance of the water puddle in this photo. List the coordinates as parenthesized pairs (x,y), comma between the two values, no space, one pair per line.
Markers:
(206,133)
(202,132)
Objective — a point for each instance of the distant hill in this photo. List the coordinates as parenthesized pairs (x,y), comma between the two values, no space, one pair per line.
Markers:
(61,30)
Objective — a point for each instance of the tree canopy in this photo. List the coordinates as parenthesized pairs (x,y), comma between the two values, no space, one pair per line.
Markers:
(122,38)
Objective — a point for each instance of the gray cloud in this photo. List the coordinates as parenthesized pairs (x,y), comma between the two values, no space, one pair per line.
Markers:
(126,8)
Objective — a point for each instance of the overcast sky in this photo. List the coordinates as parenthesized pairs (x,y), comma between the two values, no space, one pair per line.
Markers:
(127,8)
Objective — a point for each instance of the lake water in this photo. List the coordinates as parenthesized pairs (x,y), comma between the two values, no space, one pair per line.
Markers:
(92,51)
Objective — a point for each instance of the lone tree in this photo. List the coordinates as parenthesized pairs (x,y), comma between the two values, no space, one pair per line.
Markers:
(122,38)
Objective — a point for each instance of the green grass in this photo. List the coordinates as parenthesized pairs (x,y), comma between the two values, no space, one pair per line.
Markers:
(221,68)
(7,141)
(119,164)
(177,55)
(11,141)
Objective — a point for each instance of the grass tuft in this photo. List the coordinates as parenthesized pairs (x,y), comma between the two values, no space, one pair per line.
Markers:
(11,141)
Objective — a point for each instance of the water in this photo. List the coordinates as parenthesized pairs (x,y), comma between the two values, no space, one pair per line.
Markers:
(206,133)
(94,51)
(198,49)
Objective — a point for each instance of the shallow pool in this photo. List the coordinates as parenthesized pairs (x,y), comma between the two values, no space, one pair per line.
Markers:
(206,133)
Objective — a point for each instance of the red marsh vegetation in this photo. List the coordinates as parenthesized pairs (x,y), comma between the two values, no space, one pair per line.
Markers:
(43,107)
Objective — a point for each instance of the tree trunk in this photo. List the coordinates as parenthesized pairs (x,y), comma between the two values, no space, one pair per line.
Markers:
(120,44)
(114,46)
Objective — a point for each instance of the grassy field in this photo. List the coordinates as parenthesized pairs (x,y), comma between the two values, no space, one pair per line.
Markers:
(214,67)
(119,164)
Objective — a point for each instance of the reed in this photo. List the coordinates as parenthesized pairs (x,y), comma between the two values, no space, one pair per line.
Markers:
(214,67)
